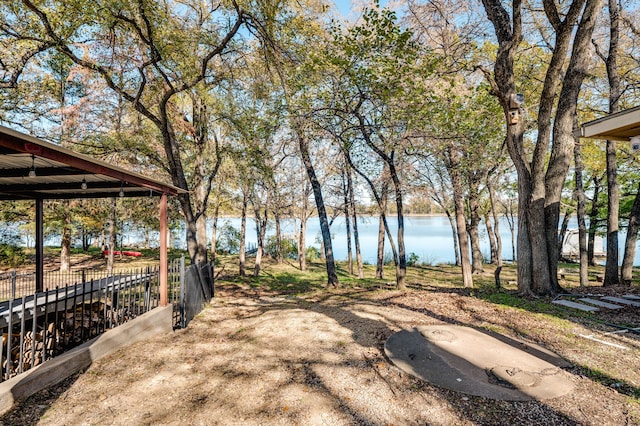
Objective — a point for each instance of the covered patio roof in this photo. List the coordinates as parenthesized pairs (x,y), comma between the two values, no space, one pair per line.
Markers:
(621,126)
(34,169)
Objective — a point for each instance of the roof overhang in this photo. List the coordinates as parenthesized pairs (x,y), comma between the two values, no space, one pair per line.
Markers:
(621,126)
(61,173)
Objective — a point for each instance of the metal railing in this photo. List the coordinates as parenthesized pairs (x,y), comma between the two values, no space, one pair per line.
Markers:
(38,326)
(190,290)
(42,325)
(17,284)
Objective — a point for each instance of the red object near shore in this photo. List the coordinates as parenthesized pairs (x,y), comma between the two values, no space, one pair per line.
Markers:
(124,253)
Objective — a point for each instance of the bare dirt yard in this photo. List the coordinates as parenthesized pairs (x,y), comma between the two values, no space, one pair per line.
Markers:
(281,349)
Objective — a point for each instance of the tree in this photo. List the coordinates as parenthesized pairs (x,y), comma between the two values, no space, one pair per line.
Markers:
(613,195)
(630,243)
(581,210)
(147,54)
(354,215)
(304,212)
(452,162)
(286,49)
(370,91)
(625,81)
(541,178)
(438,187)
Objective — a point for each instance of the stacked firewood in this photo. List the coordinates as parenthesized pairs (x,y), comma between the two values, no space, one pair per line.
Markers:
(82,323)
(56,335)
(33,349)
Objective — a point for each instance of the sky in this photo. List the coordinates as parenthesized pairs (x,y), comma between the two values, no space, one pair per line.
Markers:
(344,7)
(351,8)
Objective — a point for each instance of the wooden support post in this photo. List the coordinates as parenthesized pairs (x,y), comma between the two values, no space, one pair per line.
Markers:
(164,264)
(39,245)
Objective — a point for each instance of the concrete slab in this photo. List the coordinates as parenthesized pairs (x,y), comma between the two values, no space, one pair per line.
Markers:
(621,300)
(479,363)
(600,303)
(576,305)
(631,297)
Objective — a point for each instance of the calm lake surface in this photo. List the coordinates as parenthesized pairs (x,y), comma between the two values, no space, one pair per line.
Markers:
(429,237)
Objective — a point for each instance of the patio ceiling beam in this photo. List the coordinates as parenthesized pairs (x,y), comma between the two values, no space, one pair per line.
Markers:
(75,186)
(42,172)
(74,195)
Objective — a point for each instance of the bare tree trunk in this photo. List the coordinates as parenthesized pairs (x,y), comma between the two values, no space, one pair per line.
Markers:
(332,275)
(611,276)
(563,231)
(380,251)
(214,231)
(258,262)
(85,239)
(613,208)
(302,250)
(261,229)
(523,247)
(302,234)
(593,221)
(356,237)
(580,211)
(454,234)
(242,250)
(381,230)
(474,234)
(347,221)
(201,225)
(401,264)
(630,243)
(458,200)
(492,238)
(65,247)
(302,237)
(276,219)
(463,242)
(496,223)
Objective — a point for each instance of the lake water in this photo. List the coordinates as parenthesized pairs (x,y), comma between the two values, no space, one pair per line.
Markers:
(429,237)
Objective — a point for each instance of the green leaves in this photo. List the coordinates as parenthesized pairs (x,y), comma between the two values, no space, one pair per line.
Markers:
(377,56)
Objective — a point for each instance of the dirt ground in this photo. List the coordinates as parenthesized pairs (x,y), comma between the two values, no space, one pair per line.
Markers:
(262,357)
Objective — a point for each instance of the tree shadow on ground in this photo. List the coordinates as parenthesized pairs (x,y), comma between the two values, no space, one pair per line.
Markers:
(30,410)
(595,323)
(369,326)
(474,408)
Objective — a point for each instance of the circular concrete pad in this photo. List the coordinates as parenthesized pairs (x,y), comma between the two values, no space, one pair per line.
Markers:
(479,363)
